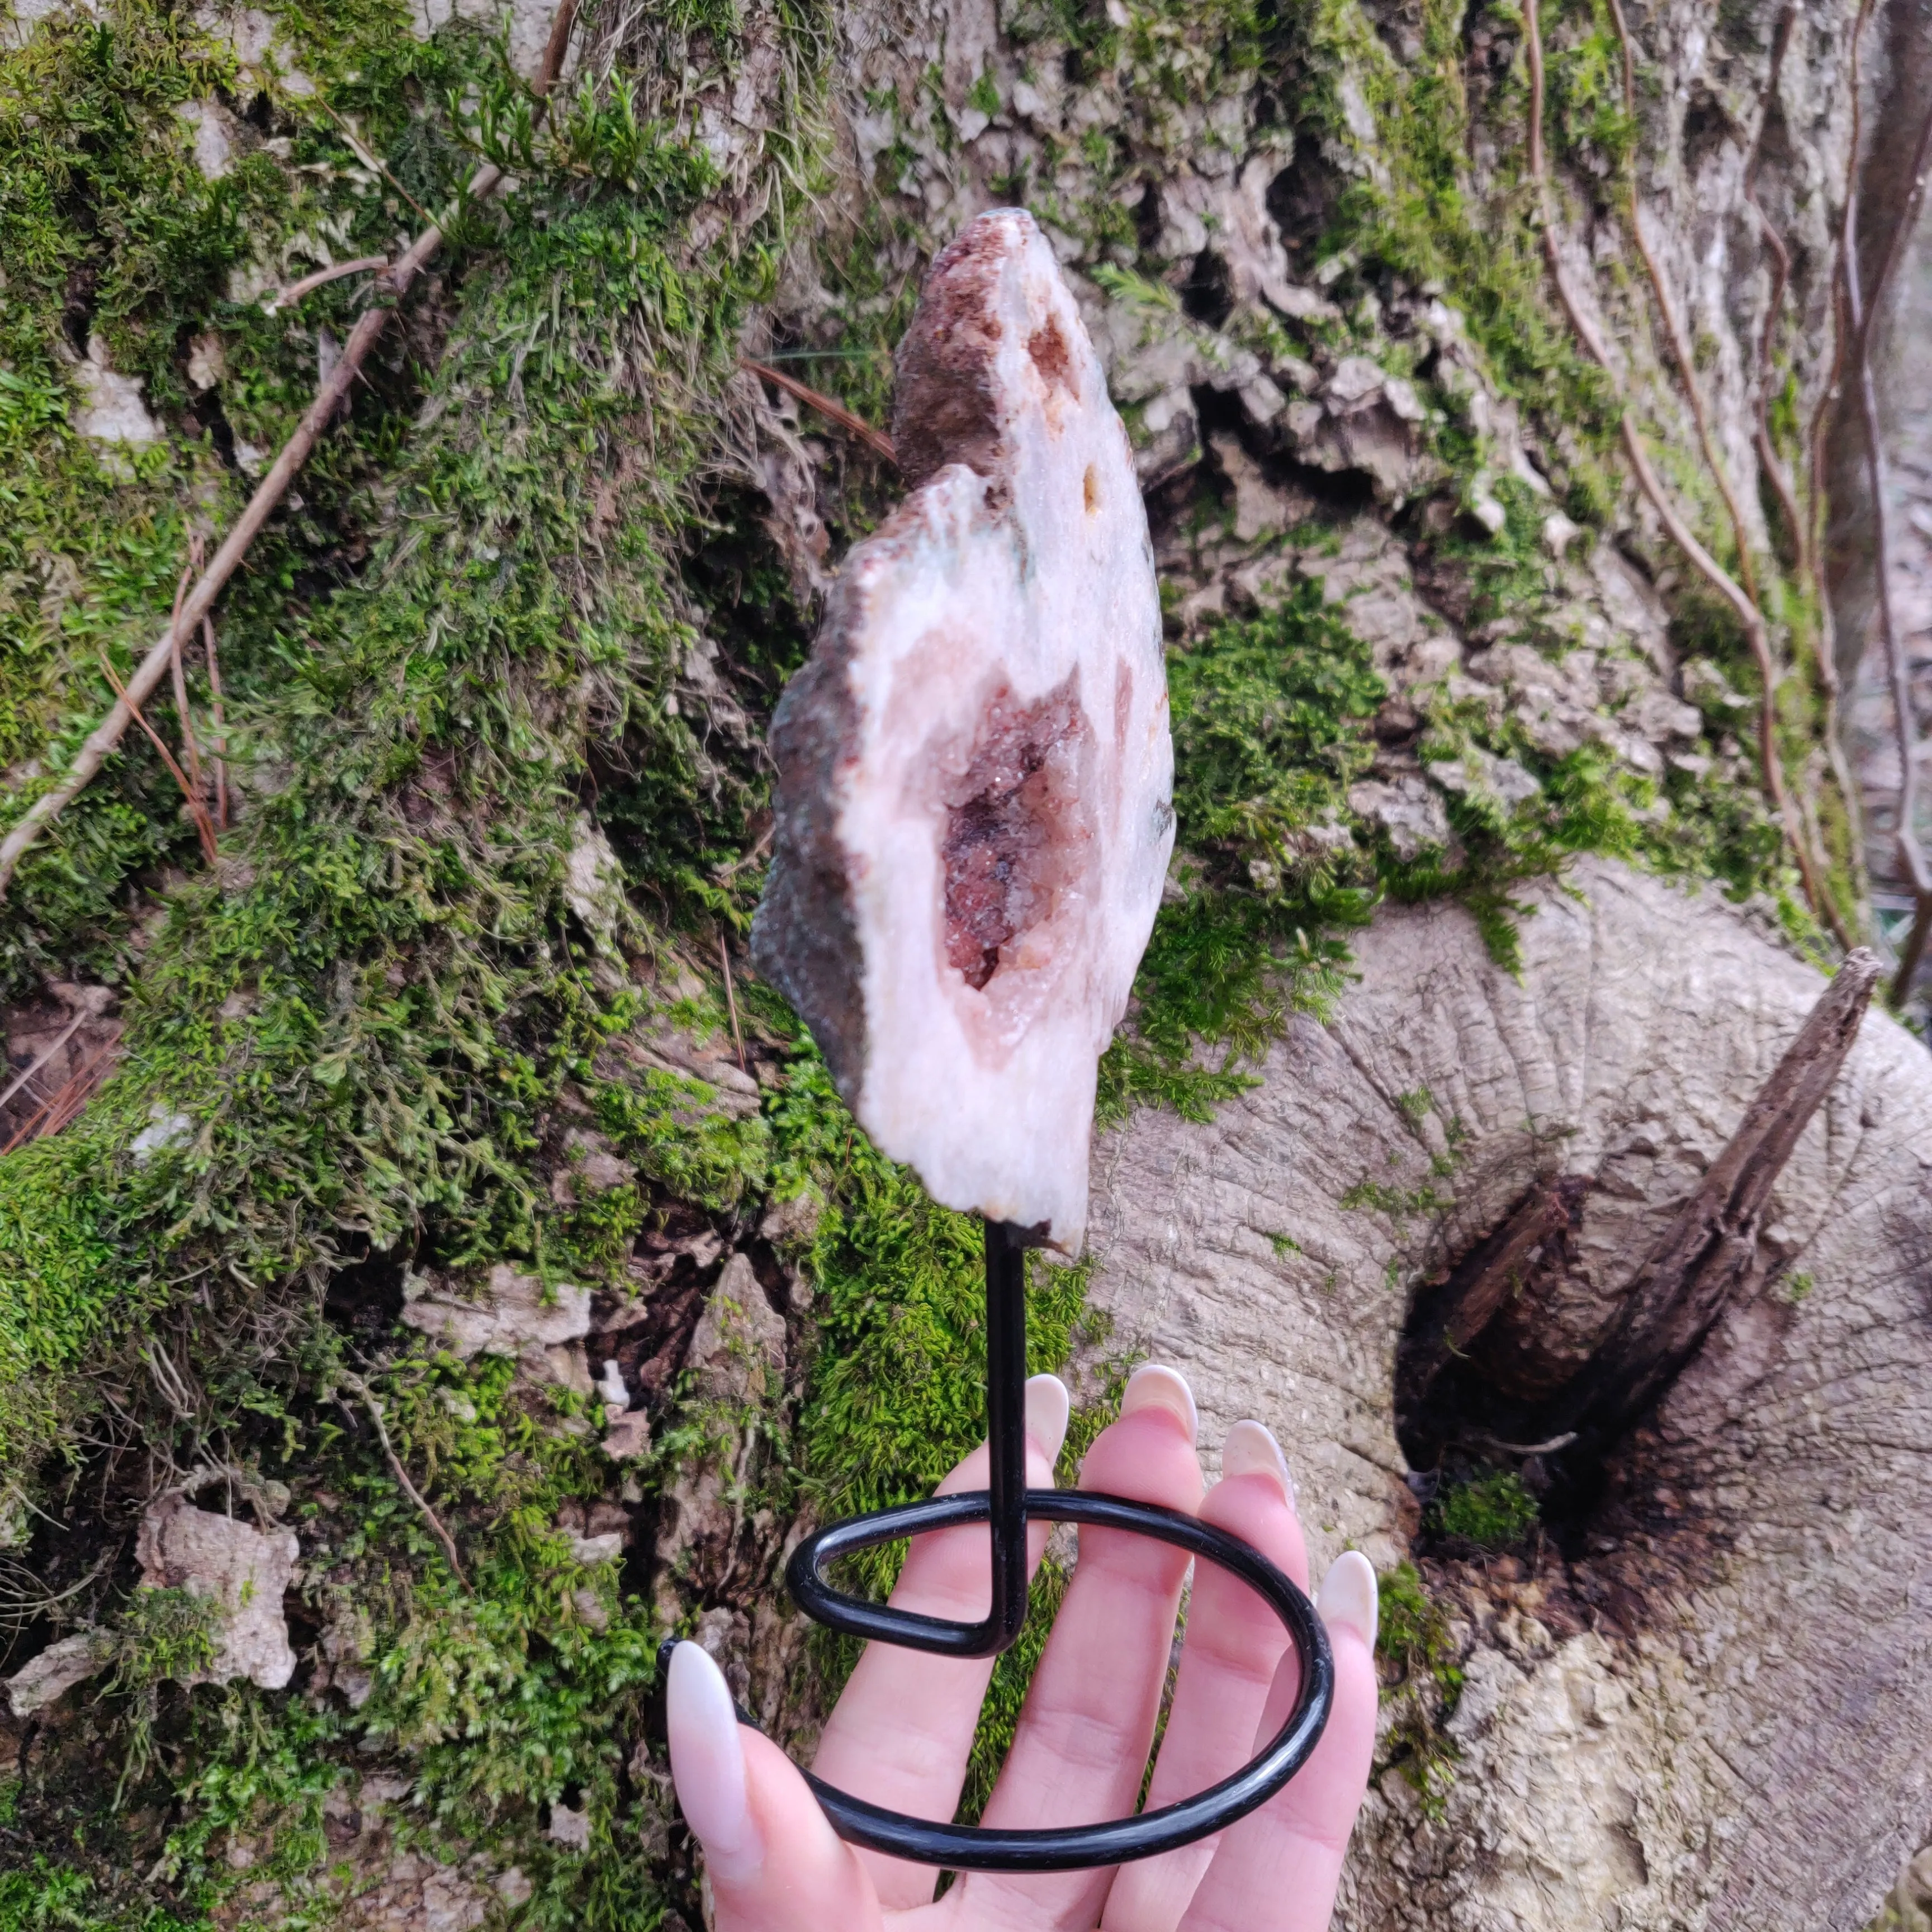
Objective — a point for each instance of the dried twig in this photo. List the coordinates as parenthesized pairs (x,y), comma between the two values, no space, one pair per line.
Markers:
(874,439)
(1709,1255)
(294,293)
(401,1474)
(1548,1448)
(329,396)
(1720,579)
(731,1000)
(372,161)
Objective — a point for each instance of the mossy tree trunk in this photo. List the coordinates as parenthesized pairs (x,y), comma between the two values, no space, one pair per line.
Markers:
(460,1205)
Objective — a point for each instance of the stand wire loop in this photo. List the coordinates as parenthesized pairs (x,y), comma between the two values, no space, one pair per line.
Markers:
(1007,1506)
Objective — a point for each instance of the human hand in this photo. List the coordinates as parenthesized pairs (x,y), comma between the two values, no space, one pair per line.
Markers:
(900,1734)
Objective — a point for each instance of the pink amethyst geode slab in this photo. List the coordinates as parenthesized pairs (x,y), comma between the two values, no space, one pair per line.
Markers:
(975,774)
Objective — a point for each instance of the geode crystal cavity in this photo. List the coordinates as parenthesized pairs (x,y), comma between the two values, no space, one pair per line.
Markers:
(975,774)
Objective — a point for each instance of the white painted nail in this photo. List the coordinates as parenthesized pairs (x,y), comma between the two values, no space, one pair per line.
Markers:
(1048,1406)
(1347,1596)
(707,1763)
(1251,1451)
(1153,1387)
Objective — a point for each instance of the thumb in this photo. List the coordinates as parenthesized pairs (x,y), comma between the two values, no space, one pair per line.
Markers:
(774,1861)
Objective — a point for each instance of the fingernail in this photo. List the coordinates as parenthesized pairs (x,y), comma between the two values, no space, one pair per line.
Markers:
(1048,1406)
(1153,1387)
(1347,1596)
(1251,1451)
(707,1763)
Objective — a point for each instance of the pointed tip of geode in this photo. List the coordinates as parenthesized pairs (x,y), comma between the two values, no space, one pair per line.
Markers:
(974,769)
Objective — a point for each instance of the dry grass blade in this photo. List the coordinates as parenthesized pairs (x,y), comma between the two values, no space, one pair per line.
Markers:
(373,163)
(66,1101)
(220,741)
(731,1000)
(27,1075)
(178,671)
(875,439)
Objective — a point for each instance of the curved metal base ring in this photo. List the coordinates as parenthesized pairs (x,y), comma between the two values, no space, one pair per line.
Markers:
(1070,1847)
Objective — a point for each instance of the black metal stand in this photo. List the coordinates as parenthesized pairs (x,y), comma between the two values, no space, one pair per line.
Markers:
(1007,1505)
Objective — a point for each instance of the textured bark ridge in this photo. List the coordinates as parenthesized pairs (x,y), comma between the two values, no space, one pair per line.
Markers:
(975,772)
(1694,1706)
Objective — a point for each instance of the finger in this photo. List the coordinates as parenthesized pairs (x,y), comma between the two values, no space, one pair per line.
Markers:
(1235,1644)
(1277,1869)
(1089,1717)
(774,1863)
(902,1731)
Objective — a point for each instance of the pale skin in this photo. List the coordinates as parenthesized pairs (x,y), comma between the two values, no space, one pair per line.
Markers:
(901,1733)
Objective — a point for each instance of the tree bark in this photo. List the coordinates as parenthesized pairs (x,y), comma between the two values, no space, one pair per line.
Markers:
(1698,1708)
(1658,1163)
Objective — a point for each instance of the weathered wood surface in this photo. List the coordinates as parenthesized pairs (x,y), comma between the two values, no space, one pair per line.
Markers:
(1719,1719)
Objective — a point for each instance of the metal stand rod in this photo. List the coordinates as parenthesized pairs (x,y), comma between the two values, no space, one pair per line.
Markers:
(1006,1506)
(1006,1434)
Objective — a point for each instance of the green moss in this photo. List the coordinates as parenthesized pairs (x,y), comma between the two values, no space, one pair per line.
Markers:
(1270,719)
(362,1023)
(1584,82)
(1422,1682)
(476,626)
(1397,1203)
(1411,212)
(1796,1288)
(47,1897)
(1494,1512)
(108,230)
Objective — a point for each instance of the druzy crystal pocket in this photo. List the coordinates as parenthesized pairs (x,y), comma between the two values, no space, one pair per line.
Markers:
(975,773)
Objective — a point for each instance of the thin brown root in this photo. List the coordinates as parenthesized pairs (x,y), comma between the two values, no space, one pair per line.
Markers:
(219,754)
(197,811)
(184,717)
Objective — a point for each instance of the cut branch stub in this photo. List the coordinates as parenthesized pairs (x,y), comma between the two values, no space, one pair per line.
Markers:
(975,774)
(1710,1253)
(1542,1340)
